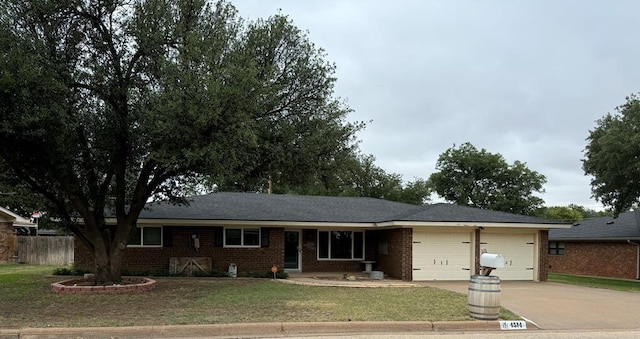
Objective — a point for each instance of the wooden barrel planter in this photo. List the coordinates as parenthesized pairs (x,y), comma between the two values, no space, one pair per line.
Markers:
(483,299)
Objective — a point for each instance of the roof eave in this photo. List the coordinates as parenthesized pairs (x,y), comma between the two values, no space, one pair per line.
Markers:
(257,223)
(470,224)
(634,238)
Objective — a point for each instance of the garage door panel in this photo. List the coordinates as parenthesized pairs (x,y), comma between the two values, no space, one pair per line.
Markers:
(441,256)
(517,250)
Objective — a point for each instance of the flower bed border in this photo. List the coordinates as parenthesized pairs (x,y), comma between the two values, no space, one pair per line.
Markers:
(135,285)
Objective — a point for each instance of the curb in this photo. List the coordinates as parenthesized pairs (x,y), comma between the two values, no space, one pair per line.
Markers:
(255,329)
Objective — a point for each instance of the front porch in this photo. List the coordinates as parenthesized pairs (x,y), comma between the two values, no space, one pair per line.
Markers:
(344,279)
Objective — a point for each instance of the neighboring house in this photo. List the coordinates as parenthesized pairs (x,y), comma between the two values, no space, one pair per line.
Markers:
(604,247)
(10,224)
(332,234)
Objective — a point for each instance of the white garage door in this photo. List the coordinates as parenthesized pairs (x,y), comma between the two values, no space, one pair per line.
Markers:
(518,253)
(441,256)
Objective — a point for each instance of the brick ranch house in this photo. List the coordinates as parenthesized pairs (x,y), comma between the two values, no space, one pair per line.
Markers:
(604,247)
(333,234)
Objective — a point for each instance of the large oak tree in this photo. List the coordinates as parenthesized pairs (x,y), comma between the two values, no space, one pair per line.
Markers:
(612,157)
(477,178)
(105,104)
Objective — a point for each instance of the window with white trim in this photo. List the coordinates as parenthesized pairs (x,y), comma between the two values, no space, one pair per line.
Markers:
(147,236)
(341,245)
(242,237)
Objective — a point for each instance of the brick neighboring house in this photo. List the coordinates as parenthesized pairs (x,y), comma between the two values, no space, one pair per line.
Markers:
(604,247)
(332,234)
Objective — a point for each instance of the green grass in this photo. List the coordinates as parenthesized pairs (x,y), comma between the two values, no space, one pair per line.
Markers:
(606,283)
(27,301)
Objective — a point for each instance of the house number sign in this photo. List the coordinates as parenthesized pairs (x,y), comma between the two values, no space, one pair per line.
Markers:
(513,325)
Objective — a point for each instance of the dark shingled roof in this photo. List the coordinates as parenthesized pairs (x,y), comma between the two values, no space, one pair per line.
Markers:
(301,208)
(457,213)
(280,207)
(626,226)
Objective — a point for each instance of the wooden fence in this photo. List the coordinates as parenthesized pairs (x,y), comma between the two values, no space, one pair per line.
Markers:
(39,250)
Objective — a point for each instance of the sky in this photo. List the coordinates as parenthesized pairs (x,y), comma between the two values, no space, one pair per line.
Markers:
(527,79)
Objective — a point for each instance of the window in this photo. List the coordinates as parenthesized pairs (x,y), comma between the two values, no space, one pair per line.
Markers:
(340,245)
(242,237)
(556,248)
(150,236)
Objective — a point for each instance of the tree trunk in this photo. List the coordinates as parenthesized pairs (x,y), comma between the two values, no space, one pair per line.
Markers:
(108,264)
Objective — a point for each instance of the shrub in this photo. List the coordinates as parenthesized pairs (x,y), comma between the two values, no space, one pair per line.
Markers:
(62,271)
(267,274)
(210,274)
(69,271)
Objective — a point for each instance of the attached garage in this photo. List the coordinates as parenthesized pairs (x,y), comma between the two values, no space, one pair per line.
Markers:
(442,255)
(518,250)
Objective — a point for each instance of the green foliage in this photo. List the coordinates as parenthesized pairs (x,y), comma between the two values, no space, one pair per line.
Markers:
(359,176)
(560,213)
(301,129)
(590,213)
(280,274)
(212,273)
(612,157)
(62,271)
(472,177)
(104,105)
(69,271)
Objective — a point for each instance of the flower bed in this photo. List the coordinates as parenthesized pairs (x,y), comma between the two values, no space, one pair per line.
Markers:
(79,286)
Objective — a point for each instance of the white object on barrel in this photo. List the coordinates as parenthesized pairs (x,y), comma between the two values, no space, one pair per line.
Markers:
(491,261)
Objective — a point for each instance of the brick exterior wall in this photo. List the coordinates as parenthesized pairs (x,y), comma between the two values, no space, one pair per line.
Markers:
(597,258)
(543,257)
(150,259)
(477,253)
(398,261)
(7,242)
(310,262)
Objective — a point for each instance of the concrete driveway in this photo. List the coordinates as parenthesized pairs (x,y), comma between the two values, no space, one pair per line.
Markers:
(560,306)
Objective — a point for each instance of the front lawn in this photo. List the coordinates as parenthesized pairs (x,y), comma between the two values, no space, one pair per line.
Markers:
(26,300)
(608,283)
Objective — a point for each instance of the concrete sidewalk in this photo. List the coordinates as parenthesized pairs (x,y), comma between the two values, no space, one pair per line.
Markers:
(561,306)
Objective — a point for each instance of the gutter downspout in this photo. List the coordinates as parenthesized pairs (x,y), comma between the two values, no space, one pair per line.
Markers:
(637,259)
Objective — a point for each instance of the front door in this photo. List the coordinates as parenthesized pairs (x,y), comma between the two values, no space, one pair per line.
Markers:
(292,250)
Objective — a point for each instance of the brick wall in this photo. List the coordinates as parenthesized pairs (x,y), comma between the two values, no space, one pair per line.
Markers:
(397,263)
(149,259)
(310,262)
(603,259)
(477,253)
(7,242)
(543,250)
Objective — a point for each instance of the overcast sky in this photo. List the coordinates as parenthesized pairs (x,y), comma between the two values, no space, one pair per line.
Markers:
(526,79)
